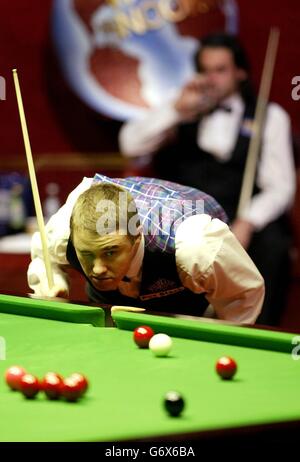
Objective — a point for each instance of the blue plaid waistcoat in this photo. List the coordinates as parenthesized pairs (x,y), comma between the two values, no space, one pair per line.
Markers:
(163,205)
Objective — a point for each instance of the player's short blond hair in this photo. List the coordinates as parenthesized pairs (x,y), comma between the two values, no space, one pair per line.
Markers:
(106,202)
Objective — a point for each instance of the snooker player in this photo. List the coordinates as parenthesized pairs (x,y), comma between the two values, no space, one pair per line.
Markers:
(149,243)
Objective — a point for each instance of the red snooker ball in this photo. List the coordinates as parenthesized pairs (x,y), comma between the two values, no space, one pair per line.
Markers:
(30,386)
(72,389)
(142,336)
(226,367)
(81,380)
(13,377)
(52,385)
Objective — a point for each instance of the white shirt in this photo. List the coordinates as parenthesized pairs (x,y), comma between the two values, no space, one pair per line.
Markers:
(217,134)
(209,260)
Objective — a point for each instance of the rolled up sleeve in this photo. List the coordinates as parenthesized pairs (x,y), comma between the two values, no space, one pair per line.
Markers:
(210,260)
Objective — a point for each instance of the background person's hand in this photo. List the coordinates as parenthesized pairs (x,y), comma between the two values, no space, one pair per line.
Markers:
(196,98)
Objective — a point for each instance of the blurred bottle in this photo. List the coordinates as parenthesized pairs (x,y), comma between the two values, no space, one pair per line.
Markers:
(17,212)
(4,210)
(52,202)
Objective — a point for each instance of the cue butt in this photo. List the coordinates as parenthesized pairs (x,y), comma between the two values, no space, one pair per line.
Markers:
(260,112)
(34,186)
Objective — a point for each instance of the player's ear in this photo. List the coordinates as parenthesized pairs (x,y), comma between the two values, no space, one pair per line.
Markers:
(241,75)
(197,58)
(138,237)
(139,231)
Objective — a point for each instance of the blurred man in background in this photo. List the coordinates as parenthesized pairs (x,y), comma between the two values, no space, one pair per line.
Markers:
(201,139)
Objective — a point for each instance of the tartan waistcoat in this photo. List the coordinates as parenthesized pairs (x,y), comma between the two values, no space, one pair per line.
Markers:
(162,206)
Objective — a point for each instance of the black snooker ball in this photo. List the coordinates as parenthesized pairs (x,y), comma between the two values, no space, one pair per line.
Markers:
(174,403)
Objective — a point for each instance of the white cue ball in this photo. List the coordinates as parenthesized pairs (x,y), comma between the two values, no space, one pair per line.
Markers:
(160,344)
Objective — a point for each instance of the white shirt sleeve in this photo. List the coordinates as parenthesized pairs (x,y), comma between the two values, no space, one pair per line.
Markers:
(57,233)
(210,260)
(276,176)
(145,136)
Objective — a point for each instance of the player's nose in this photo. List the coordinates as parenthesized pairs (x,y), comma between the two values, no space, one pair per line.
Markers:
(211,80)
(99,268)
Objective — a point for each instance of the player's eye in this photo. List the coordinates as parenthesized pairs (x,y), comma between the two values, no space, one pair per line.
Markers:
(109,253)
(86,254)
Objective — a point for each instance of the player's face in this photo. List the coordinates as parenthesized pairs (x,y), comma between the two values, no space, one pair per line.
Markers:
(223,77)
(105,259)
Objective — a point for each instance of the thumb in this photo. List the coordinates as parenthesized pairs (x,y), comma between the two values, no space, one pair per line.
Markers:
(58,291)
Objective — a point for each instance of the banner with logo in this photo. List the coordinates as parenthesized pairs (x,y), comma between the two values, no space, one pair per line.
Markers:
(123,57)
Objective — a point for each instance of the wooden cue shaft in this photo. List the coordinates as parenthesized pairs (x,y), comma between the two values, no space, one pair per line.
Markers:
(260,111)
(35,192)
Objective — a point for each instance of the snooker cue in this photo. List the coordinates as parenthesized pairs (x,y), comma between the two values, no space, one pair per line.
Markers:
(260,112)
(32,176)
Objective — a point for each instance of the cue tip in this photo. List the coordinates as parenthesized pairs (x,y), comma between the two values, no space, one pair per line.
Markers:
(126,308)
(14,70)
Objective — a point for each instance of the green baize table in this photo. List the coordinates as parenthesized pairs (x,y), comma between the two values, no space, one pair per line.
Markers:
(127,384)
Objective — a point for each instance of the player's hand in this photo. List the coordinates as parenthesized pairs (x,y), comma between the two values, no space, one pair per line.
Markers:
(58,291)
(54,292)
(243,231)
(41,288)
(196,97)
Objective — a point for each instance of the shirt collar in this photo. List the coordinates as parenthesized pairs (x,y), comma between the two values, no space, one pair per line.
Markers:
(137,261)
